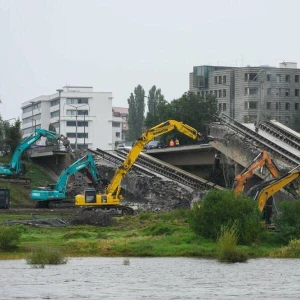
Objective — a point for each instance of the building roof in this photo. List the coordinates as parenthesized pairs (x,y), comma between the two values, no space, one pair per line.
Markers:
(121,110)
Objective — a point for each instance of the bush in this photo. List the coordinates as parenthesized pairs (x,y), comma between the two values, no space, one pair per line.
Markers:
(42,256)
(9,237)
(227,246)
(288,222)
(292,250)
(224,208)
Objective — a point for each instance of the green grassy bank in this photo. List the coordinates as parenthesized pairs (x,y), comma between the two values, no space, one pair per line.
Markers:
(143,235)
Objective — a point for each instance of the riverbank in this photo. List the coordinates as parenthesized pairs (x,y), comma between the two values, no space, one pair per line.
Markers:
(143,235)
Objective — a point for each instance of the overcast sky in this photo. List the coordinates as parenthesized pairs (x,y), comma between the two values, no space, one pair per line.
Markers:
(115,45)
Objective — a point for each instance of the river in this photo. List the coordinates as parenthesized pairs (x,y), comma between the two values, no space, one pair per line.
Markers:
(151,278)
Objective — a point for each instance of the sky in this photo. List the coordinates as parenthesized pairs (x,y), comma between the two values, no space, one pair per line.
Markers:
(115,45)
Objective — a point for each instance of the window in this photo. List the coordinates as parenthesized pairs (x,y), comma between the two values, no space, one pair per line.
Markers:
(250,91)
(80,135)
(54,102)
(287,78)
(77,100)
(116,124)
(250,76)
(296,92)
(287,120)
(268,77)
(287,106)
(216,93)
(220,79)
(216,79)
(224,93)
(269,105)
(118,134)
(251,105)
(287,92)
(224,106)
(198,93)
(220,106)
(79,123)
(269,91)
(224,79)
(297,78)
(202,93)
(54,114)
(277,106)
(220,93)
(72,112)
(296,106)
(278,78)
(206,93)
(278,92)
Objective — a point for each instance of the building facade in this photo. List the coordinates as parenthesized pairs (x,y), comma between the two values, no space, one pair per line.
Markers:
(119,125)
(79,113)
(251,94)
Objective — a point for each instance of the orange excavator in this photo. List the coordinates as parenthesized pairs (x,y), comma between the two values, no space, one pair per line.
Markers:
(262,160)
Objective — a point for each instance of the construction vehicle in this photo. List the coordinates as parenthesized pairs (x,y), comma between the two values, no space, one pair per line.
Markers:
(111,199)
(11,172)
(264,191)
(54,194)
(260,161)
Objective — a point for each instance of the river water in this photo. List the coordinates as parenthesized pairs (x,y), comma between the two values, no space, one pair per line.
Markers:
(151,278)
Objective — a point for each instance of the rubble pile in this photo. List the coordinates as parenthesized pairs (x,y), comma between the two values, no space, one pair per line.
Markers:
(92,217)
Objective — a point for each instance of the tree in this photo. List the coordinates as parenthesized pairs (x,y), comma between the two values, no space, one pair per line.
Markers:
(155,98)
(13,136)
(136,112)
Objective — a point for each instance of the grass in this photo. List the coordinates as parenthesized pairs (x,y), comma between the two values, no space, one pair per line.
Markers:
(144,235)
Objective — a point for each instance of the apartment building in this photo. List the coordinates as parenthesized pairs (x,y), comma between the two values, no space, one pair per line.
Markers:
(119,125)
(78,112)
(251,94)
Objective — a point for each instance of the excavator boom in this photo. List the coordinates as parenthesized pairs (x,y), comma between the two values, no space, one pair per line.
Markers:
(110,201)
(262,160)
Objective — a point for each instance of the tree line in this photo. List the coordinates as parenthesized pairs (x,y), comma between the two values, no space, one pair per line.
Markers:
(194,110)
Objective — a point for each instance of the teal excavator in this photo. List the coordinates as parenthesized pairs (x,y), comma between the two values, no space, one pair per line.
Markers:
(11,172)
(54,194)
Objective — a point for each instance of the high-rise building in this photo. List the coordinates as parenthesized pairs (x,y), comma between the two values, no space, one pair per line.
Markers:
(251,94)
(79,113)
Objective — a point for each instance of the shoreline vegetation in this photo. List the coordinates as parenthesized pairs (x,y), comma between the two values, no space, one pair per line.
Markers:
(142,235)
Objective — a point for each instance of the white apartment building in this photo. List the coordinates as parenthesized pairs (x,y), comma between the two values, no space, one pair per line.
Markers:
(119,125)
(79,113)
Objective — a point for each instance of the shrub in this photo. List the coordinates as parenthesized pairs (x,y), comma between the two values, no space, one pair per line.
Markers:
(42,256)
(9,237)
(288,222)
(227,246)
(292,250)
(224,208)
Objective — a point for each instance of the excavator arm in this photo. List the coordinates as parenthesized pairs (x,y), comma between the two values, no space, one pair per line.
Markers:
(15,168)
(263,192)
(262,160)
(58,191)
(146,137)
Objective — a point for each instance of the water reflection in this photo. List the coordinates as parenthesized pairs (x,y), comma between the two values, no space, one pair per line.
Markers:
(151,278)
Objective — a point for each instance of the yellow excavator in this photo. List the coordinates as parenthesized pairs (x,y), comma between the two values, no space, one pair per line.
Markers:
(260,161)
(111,199)
(267,189)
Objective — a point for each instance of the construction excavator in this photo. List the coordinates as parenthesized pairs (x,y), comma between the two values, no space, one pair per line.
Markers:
(260,161)
(264,191)
(111,199)
(11,172)
(54,194)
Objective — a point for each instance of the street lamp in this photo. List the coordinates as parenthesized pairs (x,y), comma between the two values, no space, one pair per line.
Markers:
(59,97)
(76,107)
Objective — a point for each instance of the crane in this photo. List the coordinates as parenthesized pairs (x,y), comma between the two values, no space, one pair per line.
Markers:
(56,193)
(111,199)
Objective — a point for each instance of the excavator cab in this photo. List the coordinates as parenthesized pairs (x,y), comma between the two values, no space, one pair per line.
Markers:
(90,195)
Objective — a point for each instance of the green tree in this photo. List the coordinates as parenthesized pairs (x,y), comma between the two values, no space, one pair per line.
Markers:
(155,98)
(136,111)
(13,136)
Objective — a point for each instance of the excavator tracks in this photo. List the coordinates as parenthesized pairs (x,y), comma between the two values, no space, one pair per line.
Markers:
(147,165)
